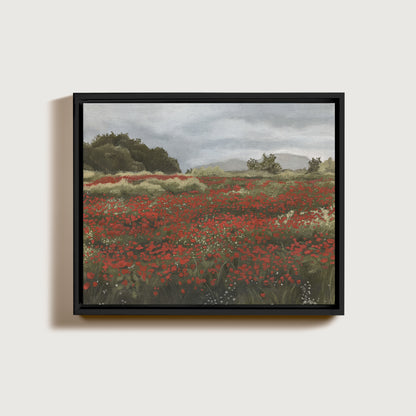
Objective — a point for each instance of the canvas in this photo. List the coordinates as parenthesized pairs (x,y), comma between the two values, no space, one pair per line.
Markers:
(208,203)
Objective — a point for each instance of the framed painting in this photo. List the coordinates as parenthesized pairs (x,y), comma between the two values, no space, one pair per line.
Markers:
(208,203)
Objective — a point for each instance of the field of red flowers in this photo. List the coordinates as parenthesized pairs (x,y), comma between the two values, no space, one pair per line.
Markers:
(226,241)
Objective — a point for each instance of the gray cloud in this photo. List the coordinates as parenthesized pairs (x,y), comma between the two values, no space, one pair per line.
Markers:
(198,134)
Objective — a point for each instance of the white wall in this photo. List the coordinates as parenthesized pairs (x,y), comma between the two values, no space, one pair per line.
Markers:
(55,364)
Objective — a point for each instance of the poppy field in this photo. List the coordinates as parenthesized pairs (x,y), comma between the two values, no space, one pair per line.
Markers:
(156,239)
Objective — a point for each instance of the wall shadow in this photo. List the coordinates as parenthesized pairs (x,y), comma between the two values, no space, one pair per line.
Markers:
(60,112)
(205,322)
(61,287)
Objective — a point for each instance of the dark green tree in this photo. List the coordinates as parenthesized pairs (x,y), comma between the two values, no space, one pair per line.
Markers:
(113,152)
(268,164)
(328,165)
(314,165)
(121,139)
(111,159)
(158,159)
(252,164)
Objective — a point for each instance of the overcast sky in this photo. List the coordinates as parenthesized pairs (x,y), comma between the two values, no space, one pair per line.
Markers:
(198,134)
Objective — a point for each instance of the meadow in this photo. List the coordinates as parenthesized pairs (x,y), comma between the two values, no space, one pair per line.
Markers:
(209,238)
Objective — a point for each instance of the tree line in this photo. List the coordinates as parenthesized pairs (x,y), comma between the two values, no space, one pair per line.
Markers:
(269,164)
(112,153)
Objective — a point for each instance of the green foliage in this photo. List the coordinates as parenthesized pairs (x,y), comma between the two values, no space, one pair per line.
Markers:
(314,165)
(91,175)
(114,139)
(252,164)
(177,186)
(327,166)
(111,153)
(125,189)
(208,171)
(151,187)
(268,164)
(110,159)
(158,159)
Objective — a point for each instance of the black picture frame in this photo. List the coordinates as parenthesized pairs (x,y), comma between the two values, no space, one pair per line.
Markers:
(80,98)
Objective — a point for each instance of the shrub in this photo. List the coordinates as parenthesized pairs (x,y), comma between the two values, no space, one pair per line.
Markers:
(112,153)
(121,188)
(141,173)
(176,185)
(327,166)
(110,159)
(288,174)
(91,175)
(268,164)
(208,171)
(151,187)
(87,174)
(125,188)
(314,165)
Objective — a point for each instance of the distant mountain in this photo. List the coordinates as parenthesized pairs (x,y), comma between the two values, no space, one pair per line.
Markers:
(289,161)
(228,165)
(286,161)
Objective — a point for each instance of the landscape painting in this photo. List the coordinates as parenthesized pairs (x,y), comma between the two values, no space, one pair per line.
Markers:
(209,204)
